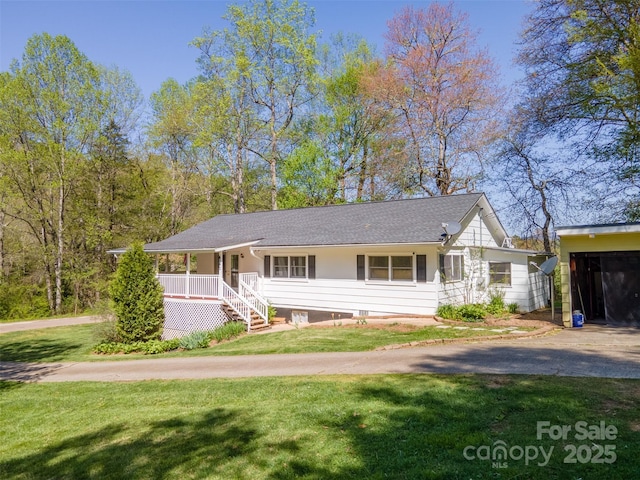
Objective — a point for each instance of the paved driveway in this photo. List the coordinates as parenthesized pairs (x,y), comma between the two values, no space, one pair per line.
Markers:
(592,351)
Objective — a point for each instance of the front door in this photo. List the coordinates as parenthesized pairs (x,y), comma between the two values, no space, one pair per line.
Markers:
(235,261)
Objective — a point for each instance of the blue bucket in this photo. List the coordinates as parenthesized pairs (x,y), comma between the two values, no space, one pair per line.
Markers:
(578,319)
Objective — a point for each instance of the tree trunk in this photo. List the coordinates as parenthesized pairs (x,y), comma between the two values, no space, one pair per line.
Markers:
(443,172)
(60,237)
(2,225)
(362,174)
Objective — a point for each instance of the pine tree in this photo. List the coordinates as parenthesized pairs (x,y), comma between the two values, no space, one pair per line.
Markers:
(137,297)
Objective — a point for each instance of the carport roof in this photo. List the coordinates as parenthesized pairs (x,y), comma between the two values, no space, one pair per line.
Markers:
(598,229)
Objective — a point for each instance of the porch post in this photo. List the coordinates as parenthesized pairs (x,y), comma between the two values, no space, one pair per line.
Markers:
(187,274)
(157,264)
(220,275)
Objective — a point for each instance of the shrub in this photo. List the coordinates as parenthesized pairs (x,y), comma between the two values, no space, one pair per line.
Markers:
(447,311)
(228,331)
(137,297)
(513,308)
(22,302)
(107,332)
(472,312)
(195,340)
(496,306)
(151,347)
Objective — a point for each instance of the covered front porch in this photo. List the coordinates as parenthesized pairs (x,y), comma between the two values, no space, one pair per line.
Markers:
(190,296)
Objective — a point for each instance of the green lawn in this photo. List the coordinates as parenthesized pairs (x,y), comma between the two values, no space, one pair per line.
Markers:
(75,343)
(340,427)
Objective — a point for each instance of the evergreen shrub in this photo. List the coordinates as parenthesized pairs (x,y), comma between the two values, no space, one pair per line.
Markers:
(137,297)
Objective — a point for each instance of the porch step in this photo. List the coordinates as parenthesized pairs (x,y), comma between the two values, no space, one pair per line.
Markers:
(257,322)
(259,326)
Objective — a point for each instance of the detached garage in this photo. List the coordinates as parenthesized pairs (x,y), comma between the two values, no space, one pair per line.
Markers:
(600,273)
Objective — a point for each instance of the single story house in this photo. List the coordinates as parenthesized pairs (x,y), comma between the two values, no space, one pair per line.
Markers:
(600,273)
(361,259)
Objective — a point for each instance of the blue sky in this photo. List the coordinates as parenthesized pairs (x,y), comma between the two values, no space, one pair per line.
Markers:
(150,38)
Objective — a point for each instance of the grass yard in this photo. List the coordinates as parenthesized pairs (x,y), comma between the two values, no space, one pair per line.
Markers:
(340,427)
(74,344)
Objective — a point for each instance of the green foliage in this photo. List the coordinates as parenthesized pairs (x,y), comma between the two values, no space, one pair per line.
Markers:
(137,297)
(271,312)
(496,304)
(22,302)
(449,312)
(513,308)
(472,312)
(228,331)
(107,332)
(200,339)
(308,178)
(151,347)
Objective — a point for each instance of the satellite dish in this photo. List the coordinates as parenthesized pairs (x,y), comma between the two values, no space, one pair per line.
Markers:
(451,228)
(548,265)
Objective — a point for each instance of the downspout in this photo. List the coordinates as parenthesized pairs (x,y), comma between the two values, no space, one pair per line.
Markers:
(260,278)
(480,214)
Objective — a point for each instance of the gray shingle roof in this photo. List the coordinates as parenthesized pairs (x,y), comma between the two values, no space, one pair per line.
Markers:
(412,221)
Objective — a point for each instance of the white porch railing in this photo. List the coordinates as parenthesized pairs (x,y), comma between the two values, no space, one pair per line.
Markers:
(202,286)
(244,302)
(257,302)
(251,280)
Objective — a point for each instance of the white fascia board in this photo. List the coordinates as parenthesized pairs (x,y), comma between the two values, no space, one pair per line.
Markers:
(364,245)
(598,229)
(191,250)
(235,247)
(515,250)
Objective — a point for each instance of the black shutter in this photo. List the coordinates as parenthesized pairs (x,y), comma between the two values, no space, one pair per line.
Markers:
(311,259)
(267,266)
(216,261)
(442,275)
(360,269)
(421,268)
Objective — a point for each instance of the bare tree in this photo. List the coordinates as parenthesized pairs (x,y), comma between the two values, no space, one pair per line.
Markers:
(444,94)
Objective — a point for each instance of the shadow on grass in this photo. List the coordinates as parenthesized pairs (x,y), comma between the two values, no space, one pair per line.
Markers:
(423,434)
(174,448)
(37,350)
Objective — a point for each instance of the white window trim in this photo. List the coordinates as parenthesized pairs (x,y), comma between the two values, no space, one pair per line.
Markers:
(389,280)
(289,278)
(462,261)
(499,284)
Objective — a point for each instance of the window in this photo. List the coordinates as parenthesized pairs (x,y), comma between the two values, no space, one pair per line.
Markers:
(451,267)
(378,268)
(281,267)
(298,267)
(500,273)
(290,267)
(399,268)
